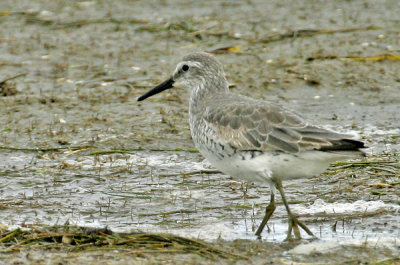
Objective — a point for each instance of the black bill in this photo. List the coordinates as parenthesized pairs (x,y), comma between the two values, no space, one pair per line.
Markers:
(161,87)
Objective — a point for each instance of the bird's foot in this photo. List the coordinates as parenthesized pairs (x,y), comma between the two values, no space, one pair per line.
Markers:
(294,224)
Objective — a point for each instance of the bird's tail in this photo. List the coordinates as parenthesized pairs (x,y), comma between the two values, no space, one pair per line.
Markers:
(346,147)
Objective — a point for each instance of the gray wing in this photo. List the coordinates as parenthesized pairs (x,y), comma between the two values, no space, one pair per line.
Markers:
(256,125)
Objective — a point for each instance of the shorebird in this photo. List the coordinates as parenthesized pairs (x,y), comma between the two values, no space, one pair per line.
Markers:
(252,139)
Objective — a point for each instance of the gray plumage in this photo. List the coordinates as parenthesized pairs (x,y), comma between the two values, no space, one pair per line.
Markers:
(251,139)
(248,124)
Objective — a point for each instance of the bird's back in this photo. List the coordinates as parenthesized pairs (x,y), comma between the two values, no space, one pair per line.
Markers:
(230,127)
(249,124)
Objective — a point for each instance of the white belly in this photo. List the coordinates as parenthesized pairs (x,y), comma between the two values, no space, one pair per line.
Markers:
(263,167)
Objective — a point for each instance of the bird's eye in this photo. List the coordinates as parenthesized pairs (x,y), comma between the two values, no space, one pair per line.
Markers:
(185,67)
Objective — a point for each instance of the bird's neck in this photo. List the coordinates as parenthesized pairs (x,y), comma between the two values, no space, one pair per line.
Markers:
(202,92)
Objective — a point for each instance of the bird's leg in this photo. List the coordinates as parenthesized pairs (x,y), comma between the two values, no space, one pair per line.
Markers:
(268,213)
(294,223)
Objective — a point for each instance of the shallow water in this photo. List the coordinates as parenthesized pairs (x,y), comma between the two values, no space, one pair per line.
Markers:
(148,191)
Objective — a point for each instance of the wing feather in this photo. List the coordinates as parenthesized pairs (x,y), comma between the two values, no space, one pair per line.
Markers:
(248,124)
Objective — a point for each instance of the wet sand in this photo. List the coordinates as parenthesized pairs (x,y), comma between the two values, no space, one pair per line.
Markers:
(76,146)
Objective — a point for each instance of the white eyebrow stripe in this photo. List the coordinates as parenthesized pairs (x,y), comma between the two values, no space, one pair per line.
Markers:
(190,63)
